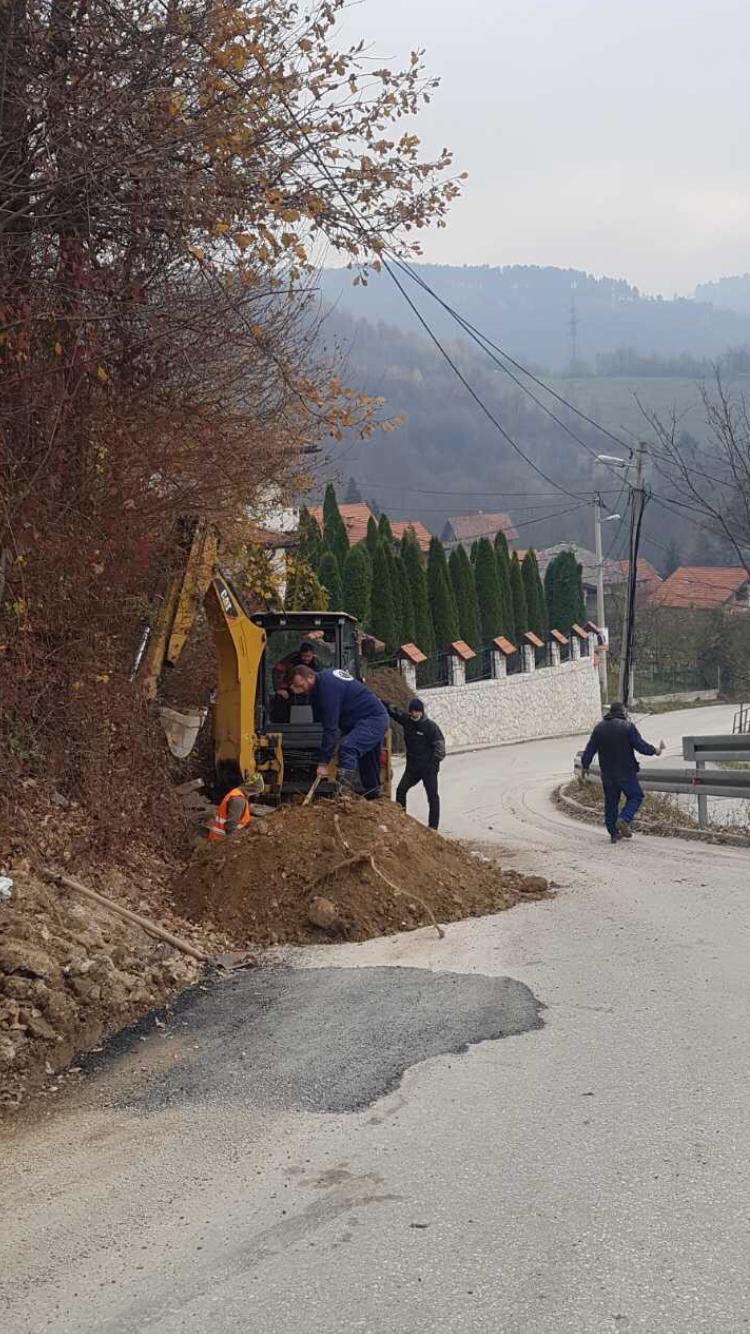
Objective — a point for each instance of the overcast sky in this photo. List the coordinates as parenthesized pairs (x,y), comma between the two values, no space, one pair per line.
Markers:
(606,135)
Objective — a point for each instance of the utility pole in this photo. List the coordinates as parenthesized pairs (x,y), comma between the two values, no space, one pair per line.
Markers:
(600,616)
(638,498)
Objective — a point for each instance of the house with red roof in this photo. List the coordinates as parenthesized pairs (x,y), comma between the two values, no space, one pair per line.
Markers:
(705,588)
(464,529)
(356,518)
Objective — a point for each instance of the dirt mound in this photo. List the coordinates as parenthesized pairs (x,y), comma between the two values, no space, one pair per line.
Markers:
(294,876)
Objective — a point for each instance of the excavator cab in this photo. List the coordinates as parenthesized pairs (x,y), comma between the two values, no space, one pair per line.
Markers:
(332,637)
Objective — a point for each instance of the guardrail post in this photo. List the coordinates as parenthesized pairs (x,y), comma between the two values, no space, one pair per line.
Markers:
(702,798)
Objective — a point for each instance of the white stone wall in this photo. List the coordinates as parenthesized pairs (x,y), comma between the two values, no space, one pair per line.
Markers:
(554,701)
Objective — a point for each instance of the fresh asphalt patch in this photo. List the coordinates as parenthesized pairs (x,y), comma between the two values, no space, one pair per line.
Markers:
(317,1040)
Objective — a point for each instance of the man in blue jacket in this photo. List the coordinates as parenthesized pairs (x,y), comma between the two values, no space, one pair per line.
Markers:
(349,711)
(615,739)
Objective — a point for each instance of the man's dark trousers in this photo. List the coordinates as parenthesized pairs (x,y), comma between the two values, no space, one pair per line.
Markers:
(427,774)
(631,789)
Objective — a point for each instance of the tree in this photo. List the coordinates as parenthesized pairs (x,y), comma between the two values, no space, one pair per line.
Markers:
(487,585)
(412,560)
(385,532)
(395,586)
(329,574)
(373,537)
(382,616)
(310,546)
(357,579)
(520,610)
(353,494)
(534,590)
(334,532)
(502,561)
(304,591)
(564,592)
(474,552)
(442,601)
(406,603)
(672,560)
(465,593)
(501,542)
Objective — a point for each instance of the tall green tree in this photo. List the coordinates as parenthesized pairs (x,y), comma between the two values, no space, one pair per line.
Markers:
(487,585)
(520,610)
(501,542)
(534,590)
(357,579)
(406,603)
(502,561)
(465,593)
(385,532)
(335,535)
(395,586)
(373,537)
(382,614)
(442,601)
(474,552)
(563,586)
(411,555)
(329,574)
(310,547)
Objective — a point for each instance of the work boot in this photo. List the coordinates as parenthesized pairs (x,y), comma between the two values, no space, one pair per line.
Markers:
(623,829)
(614,838)
(348,782)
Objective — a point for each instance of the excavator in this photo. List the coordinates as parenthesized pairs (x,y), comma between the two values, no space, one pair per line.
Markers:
(247,645)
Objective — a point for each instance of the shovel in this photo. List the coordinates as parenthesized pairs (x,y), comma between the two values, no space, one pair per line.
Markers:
(313,789)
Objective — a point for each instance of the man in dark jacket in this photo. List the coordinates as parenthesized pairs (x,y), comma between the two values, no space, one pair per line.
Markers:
(615,740)
(281,673)
(351,712)
(425,748)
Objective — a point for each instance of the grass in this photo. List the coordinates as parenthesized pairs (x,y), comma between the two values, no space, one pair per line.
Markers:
(658,807)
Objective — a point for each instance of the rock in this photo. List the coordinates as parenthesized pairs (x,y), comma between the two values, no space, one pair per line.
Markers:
(535,884)
(7,1052)
(79,966)
(323,913)
(39,1028)
(21,957)
(60,1009)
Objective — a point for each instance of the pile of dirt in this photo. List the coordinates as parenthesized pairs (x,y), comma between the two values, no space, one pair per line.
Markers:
(289,877)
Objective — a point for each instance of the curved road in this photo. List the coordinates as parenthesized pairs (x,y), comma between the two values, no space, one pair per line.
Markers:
(398,1137)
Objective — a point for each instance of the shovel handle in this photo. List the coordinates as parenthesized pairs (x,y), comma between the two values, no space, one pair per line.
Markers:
(313,789)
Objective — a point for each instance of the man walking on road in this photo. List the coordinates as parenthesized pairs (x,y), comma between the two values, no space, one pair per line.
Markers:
(615,739)
(425,748)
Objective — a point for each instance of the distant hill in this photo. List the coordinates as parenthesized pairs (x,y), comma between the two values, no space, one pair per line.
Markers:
(528,310)
(733,293)
(448,459)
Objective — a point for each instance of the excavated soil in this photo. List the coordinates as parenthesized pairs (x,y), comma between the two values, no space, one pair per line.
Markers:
(286,879)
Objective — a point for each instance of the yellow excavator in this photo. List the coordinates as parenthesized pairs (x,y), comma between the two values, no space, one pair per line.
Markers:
(244,707)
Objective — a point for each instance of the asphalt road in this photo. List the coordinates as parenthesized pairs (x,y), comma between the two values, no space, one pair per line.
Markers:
(537,1125)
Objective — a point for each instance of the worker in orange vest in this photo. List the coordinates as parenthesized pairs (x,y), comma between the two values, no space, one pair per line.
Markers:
(234,808)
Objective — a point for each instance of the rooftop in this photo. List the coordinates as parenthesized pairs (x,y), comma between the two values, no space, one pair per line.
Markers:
(704,587)
(469,527)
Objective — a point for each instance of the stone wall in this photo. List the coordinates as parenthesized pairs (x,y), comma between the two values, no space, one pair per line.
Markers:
(554,701)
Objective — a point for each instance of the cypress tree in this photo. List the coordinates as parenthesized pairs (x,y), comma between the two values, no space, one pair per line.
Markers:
(474,552)
(310,547)
(329,574)
(406,603)
(442,601)
(373,537)
(382,618)
(412,560)
(564,589)
(356,582)
(334,533)
(465,593)
(501,542)
(534,591)
(502,561)
(520,610)
(488,592)
(395,587)
(385,532)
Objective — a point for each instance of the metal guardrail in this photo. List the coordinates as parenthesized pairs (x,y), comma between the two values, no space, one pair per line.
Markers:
(698,782)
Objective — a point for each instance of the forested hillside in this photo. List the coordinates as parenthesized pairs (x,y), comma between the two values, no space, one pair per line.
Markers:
(448,458)
(528,310)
